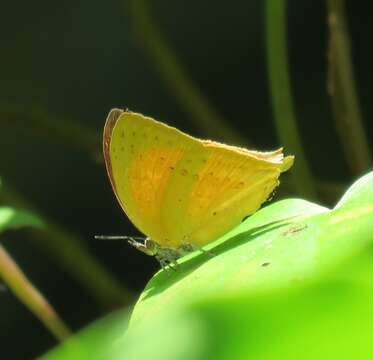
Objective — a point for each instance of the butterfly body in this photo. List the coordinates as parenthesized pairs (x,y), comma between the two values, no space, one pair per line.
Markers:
(181,191)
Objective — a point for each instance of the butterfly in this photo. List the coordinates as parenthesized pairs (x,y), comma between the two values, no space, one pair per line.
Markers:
(180,191)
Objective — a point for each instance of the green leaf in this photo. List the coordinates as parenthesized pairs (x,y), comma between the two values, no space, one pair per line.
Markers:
(329,319)
(359,194)
(294,280)
(97,341)
(14,219)
(287,242)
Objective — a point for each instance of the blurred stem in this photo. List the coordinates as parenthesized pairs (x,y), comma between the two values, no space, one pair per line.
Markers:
(282,100)
(189,95)
(342,89)
(30,296)
(61,130)
(68,250)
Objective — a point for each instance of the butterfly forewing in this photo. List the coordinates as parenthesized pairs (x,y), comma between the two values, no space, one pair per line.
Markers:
(144,159)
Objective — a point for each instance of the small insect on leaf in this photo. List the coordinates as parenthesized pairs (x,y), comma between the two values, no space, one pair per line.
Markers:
(294,230)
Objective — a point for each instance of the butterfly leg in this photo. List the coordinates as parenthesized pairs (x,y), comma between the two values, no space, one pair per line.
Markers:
(206,252)
(166,264)
(187,248)
(148,247)
(173,265)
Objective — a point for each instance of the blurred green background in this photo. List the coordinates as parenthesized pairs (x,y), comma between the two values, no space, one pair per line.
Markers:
(71,62)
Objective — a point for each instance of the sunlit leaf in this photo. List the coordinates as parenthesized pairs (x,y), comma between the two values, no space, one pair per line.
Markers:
(295,280)
(12,219)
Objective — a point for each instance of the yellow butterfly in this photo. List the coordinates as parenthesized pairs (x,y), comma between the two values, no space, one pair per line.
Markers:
(183,192)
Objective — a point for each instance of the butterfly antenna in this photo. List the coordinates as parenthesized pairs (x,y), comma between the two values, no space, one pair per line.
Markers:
(118,237)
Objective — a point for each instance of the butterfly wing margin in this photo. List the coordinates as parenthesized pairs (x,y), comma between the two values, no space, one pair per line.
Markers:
(110,123)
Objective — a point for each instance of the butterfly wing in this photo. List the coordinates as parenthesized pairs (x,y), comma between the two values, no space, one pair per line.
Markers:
(233,184)
(178,189)
(141,157)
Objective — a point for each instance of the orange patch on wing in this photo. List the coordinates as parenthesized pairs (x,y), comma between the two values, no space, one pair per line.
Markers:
(149,176)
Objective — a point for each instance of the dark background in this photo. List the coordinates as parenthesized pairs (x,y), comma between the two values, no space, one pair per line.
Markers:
(78,59)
